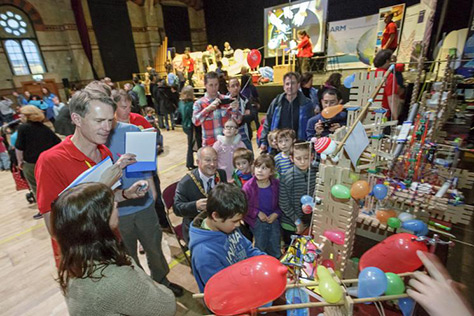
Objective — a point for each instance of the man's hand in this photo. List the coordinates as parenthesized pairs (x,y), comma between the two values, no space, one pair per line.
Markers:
(137,190)
(263,147)
(126,160)
(334,126)
(111,175)
(262,217)
(201,204)
(319,127)
(272,218)
(213,106)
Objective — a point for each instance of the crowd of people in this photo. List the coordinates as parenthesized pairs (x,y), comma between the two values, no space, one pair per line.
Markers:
(237,201)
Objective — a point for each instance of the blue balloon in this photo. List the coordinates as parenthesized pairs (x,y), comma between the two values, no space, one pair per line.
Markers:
(306,199)
(372,282)
(406,306)
(416,226)
(380,191)
(348,81)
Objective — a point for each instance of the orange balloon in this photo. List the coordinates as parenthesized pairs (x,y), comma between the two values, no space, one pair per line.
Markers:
(360,189)
(332,111)
(384,215)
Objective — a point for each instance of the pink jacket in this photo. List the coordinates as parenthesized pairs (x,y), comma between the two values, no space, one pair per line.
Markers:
(225,153)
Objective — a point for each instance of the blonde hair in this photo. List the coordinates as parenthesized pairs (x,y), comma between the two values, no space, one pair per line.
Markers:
(32,113)
(187,94)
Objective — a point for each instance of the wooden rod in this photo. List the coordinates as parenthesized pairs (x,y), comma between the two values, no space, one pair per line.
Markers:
(363,111)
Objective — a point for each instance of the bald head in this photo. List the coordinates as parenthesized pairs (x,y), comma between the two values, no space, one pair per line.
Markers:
(207,161)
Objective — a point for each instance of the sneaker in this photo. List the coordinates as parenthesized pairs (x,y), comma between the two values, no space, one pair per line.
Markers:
(177,290)
(38,216)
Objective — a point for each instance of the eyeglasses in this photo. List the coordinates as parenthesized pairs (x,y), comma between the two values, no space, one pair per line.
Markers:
(229,127)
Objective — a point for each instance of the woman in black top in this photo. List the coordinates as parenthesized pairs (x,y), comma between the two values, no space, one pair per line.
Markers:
(33,138)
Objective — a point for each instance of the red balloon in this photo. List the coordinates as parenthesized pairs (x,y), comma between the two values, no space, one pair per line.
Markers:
(328,263)
(396,254)
(245,286)
(254,58)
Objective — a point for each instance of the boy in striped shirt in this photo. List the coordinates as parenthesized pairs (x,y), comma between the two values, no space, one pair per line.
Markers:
(286,138)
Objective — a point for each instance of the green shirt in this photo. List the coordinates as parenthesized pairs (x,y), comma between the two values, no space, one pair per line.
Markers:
(140,91)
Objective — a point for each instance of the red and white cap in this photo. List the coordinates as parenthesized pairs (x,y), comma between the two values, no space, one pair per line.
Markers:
(321,144)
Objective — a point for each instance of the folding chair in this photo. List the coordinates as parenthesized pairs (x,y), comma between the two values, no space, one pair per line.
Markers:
(168,200)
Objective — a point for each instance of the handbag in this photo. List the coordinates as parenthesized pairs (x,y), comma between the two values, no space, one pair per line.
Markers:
(20,181)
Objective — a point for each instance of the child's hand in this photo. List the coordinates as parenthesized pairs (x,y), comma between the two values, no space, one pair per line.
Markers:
(262,217)
(272,218)
(437,293)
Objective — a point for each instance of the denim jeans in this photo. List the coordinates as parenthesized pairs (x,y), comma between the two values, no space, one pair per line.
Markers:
(267,237)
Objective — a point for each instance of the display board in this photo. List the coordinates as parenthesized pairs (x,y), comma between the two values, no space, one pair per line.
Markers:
(356,39)
(282,23)
(398,15)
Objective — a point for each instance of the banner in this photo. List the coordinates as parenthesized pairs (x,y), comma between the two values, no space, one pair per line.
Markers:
(356,39)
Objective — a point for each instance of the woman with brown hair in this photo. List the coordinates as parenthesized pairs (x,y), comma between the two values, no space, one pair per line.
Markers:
(95,273)
(33,138)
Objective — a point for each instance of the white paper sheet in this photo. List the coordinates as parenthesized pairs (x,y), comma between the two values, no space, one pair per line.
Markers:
(143,145)
(356,143)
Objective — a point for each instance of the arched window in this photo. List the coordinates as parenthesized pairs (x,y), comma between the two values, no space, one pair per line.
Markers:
(19,42)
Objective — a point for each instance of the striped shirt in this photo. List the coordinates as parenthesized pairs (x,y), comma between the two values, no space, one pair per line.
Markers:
(282,164)
(212,122)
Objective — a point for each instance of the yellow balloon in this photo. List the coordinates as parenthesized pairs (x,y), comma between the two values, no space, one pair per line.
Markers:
(329,289)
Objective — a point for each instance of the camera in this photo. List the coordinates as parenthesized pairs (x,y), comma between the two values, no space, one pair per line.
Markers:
(327,124)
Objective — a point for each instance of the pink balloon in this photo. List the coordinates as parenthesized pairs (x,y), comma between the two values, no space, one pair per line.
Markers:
(336,236)
(328,263)
(254,58)
(245,285)
(396,254)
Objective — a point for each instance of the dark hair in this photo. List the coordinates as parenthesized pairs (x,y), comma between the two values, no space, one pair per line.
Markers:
(219,64)
(242,153)
(227,200)
(302,33)
(292,74)
(210,75)
(80,224)
(334,80)
(267,160)
(331,92)
(382,57)
(306,77)
(300,145)
(45,89)
(136,79)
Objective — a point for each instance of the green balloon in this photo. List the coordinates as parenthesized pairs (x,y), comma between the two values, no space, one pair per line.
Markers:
(394,222)
(395,284)
(340,191)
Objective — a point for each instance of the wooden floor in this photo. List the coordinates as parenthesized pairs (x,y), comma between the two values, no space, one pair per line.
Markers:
(27,273)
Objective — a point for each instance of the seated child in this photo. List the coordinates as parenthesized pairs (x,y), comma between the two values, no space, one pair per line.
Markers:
(243,160)
(263,214)
(293,185)
(226,145)
(215,240)
(273,141)
(286,138)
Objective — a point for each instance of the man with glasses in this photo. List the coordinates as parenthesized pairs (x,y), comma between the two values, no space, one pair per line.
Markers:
(319,126)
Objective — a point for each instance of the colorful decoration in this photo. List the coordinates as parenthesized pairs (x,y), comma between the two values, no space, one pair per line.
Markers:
(384,215)
(372,282)
(360,189)
(340,191)
(332,111)
(254,58)
(325,147)
(330,290)
(395,284)
(336,236)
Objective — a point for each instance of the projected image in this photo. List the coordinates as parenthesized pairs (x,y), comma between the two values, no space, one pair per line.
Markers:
(284,21)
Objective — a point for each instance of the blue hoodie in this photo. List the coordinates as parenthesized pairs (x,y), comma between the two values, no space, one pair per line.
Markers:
(212,251)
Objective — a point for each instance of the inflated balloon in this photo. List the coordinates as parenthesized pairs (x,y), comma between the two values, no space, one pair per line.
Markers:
(384,215)
(372,282)
(336,236)
(232,291)
(306,199)
(394,222)
(380,191)
(405,216)
(415,225)
(254,58)
(396,254)
(307,208)
(353,176)
(297,296)
(340,191)
(328,263)
(349,80)
(360,189)
(395,284)
(406,306)
(329,289)
(352,291)
(332,111)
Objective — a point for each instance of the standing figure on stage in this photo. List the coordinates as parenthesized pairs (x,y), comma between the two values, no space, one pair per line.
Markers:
(188,64)
(305,51)
(390,33)
(228,50)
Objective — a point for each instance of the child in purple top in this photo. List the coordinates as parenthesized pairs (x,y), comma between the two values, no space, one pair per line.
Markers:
(263,214)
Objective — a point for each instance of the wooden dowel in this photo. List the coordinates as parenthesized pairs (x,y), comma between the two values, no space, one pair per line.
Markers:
(362,112)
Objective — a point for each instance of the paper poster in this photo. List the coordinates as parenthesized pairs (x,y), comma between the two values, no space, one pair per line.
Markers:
(143,145)
(398,15)
(282,23)
(356,39)
(356,143)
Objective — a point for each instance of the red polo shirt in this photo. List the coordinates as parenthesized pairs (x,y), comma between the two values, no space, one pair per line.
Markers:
(390,28)
(140,121)
(55,169)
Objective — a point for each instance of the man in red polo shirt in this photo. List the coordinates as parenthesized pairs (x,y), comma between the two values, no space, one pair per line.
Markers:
(92,111)
(390,33)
